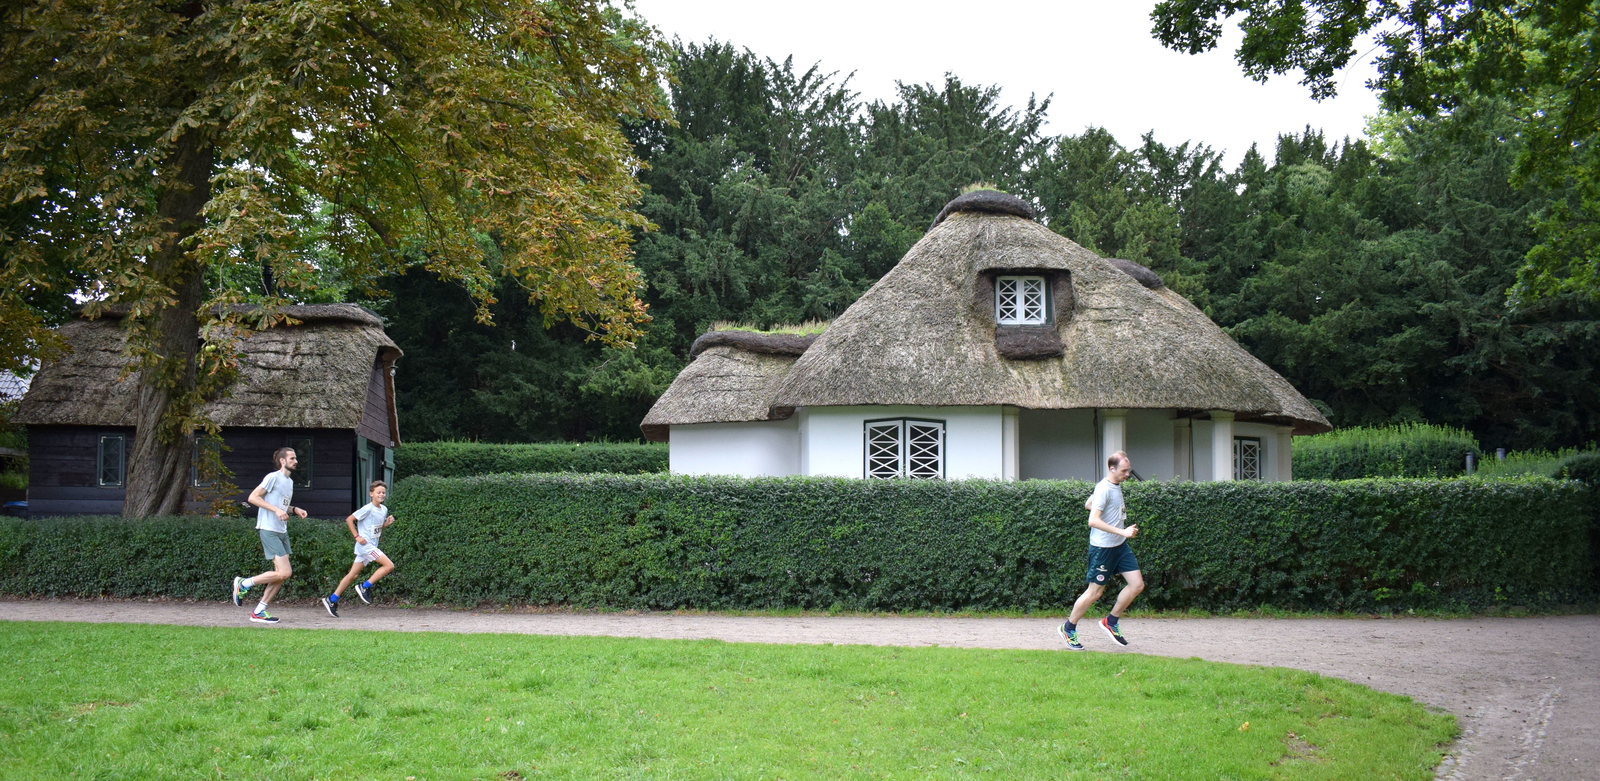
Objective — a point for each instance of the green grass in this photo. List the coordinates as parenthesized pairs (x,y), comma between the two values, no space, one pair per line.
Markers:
(804,329)
(129,701)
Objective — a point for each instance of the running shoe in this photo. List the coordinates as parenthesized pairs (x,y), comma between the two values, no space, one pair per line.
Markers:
(263,618)
(238,592)
(1071,636)
(1111,630)
(364,592)
(333,607)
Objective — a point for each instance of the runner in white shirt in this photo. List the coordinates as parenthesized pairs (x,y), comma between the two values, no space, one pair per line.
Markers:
(271,500)
(1109,554)
(366,525)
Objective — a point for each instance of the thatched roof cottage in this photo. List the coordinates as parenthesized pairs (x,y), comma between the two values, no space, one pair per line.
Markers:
(324,387)
(995,349)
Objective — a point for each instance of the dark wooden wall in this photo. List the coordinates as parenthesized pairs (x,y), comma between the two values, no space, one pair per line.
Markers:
(61,471)
(62,480)
(333,460)
(374,423)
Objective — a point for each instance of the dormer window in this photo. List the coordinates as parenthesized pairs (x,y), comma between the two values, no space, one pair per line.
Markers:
(1021,301)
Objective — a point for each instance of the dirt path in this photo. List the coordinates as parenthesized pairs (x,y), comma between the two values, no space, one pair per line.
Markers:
(1526,690)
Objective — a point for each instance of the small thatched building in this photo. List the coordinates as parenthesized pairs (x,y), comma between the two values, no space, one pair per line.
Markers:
(996,349)
(324,387)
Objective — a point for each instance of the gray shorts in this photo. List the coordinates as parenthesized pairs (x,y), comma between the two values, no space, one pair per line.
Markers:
(274,544)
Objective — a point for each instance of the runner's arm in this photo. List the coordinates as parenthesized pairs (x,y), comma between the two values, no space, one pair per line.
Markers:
(258,498)
(1095,522)
(351,523)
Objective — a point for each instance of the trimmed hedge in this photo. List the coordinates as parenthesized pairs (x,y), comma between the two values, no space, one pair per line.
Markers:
(184,556)
(727,543)
(465,459)
(1395,451)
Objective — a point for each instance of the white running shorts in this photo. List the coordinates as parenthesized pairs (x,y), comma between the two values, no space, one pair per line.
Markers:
(366,554)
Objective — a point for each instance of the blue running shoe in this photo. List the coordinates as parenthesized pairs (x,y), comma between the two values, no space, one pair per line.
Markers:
(1071,636)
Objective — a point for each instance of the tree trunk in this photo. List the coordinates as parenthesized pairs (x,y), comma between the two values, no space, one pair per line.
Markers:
(158,467)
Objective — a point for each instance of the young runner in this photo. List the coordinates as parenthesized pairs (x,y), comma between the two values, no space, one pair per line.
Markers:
(271,499)
(366,525)
(1108,553)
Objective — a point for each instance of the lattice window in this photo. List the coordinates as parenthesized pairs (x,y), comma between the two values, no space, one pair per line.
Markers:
(883,449)
(905,448)
(109,460)
(1020,300)
(1246,458)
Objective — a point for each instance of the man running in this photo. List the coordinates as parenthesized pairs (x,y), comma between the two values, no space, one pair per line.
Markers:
(1108,553)
(271,499)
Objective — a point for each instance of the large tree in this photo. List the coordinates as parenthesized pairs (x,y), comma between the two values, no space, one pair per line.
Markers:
(154,151)
(1540,57)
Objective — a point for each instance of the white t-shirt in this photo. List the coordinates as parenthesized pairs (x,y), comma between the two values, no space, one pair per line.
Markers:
(1107,498)
(276,490)
(369,521)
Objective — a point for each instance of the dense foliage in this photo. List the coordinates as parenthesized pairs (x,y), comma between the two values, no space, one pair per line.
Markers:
(465,459)
(667,542)
(1370,273)
(1440,56)
(177,157)
(1396,451)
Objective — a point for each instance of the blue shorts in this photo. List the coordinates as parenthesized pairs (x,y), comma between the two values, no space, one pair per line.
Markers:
(1105,562)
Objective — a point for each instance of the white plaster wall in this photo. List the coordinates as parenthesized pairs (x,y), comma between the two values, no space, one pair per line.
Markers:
(1200,446)
(765,448)
(834,443)
(1058,444)
(1149,442)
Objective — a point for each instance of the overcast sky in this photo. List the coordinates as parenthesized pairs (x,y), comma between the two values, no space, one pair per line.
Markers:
(1097,58)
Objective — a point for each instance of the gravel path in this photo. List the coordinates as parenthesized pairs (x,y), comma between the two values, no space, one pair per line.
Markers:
(1526,690)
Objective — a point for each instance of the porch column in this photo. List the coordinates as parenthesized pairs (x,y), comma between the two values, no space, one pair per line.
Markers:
(1182,456)
(1113,434)
(1010,446)
(1221,445)
(1285,453)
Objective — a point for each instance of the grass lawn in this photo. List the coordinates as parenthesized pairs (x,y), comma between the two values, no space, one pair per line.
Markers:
(128,701)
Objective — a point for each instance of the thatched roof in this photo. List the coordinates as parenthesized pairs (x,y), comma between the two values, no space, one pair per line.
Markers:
(925,335)
(730,378)
(312,375)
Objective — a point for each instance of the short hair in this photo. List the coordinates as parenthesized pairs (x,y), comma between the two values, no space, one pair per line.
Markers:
(1116,459)
(376,484)
(280,454)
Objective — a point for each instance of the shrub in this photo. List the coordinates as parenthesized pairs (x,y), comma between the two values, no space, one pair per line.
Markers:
(1583,466)
(1416,450)
(464,459)
(727,543)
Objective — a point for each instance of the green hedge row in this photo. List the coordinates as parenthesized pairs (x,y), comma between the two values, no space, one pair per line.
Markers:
(465,459)
(185,556)
(1393,451)
(671,542)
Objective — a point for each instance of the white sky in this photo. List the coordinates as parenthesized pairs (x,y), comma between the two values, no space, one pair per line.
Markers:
(1098,58)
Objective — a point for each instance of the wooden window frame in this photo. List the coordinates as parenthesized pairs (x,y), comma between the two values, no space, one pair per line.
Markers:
(122,461)
(1013,312)
(1238,459)
(907,461)
(305,448)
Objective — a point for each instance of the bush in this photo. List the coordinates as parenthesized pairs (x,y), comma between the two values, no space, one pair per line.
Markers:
(1583,466)
(465,459)
(1417,450)
(728,543)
